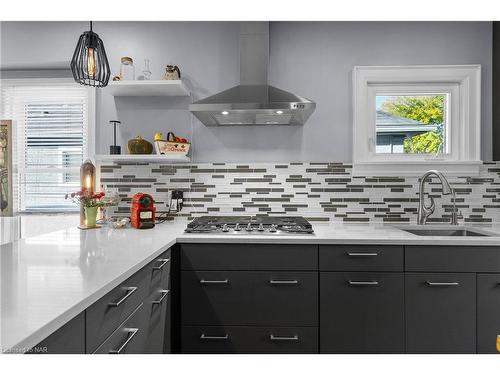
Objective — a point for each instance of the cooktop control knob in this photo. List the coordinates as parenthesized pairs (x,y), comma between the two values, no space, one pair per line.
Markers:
(261,227)
(273,228)
(225,228)
(237,227)
(249,227)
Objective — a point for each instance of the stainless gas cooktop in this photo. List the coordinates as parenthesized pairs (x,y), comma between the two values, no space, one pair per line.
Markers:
(273,225)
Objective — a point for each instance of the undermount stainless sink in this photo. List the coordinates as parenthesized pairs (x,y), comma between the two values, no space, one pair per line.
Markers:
(447,232)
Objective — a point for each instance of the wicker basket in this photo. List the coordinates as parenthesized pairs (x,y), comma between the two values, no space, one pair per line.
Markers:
(172,148)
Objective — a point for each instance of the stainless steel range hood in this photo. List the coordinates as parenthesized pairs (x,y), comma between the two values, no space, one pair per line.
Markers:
(253,102)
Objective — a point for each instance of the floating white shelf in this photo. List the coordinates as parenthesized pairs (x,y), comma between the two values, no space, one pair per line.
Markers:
(148,88)
(153,158)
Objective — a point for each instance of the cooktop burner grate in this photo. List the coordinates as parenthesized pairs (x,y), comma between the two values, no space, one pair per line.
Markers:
(250,224)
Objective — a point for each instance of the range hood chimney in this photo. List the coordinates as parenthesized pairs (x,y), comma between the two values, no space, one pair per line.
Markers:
(253,102)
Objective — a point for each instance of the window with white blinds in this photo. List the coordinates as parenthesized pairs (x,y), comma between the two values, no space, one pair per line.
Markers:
(50,130)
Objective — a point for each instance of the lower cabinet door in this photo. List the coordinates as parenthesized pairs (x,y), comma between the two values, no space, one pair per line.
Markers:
(243,340)
(130,337)
(104,316)
(157,305)
(361,312)
(488,313)
(69,339)
(440,312)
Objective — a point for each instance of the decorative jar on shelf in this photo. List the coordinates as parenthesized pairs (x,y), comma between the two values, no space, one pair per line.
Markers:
(127,69)
(139,145)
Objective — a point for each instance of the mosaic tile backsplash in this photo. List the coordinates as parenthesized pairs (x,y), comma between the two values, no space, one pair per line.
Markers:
(317,191)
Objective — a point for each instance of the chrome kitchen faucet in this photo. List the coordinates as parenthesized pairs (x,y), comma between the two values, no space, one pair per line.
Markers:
(425,211)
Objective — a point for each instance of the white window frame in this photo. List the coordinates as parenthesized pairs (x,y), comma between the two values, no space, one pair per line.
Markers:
(461,84)
(91,118)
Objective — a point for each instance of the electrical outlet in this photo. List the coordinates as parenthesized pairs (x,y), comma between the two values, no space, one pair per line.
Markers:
(177,194)
(176,199)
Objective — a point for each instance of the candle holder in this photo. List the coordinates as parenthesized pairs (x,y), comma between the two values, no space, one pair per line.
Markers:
(87,183)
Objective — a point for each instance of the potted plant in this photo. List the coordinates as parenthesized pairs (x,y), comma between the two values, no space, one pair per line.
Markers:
(90,202)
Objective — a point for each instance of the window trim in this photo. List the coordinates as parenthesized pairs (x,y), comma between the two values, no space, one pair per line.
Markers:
(462,82)
(92,113)
(91,127)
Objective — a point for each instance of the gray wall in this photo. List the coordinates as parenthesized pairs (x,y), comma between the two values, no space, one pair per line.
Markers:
(313,59)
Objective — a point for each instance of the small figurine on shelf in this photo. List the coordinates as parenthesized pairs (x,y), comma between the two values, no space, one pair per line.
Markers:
(172,72)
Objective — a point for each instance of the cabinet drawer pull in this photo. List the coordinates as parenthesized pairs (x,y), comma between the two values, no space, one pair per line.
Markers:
(163,263)
(283,282)
(354,254)
(362,283)
(452,283)
(131,334)
(205,337)
(130,291)
(225,281)
(283,338)
(164,293)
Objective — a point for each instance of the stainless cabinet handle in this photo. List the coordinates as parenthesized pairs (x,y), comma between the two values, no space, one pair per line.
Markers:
(359,283)
(164,262)
(432,283)
(130,291)
(283,282)
(131,334)
(225,281)
(205,337)
(284,338)
(164,293)
(353,254)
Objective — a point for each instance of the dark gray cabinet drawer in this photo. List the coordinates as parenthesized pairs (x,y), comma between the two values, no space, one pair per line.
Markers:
(440,312)
(157,304)
(488,312)
(159,272)
(362,312)
(360,258)
(452,258)
(69,339)
(249,257)
(130,337)
(273,298)
(249,340)
(104,316)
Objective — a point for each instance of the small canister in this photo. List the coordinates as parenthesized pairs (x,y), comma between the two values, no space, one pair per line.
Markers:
(127,69)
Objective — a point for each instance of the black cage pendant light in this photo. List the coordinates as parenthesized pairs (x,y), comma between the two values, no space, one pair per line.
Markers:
(89,64)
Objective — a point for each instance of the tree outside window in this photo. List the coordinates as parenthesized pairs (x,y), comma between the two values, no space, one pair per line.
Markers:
(424,111)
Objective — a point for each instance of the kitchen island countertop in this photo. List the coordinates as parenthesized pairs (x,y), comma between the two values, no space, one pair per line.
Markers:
(49,279)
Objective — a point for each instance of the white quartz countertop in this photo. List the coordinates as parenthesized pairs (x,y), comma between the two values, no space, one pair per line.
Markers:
(355,233)
(47,280)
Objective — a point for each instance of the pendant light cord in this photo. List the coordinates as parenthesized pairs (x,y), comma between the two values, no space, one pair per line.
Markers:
(90,25)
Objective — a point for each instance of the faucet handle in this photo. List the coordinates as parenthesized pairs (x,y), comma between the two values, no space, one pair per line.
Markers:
(430,208)
(459,215)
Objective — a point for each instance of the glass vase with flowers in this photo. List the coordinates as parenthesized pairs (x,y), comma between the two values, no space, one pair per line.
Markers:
(90,202)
